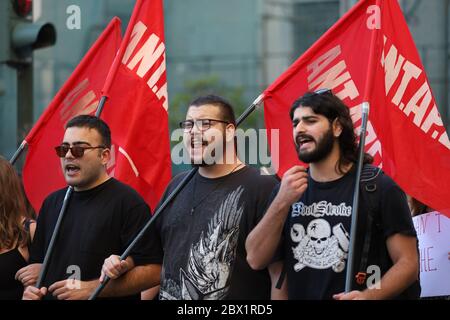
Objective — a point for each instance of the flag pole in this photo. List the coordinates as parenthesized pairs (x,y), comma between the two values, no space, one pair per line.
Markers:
(141,233)
(18,152)
(354,222)
(49,250)
(349,276)
(250,109)
(172,195)
(100,106)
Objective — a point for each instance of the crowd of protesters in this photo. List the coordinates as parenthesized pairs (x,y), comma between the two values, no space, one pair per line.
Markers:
(231,233)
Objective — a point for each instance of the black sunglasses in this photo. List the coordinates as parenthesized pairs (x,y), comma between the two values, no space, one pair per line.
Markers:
(76,151)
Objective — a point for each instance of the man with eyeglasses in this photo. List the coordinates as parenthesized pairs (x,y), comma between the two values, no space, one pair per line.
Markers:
(308,222)
(202,231)
(103,215)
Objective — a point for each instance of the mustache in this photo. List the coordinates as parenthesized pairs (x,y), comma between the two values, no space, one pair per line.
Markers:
(203,141)
(301,136)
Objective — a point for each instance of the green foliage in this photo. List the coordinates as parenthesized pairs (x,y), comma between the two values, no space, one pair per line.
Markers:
(211,84)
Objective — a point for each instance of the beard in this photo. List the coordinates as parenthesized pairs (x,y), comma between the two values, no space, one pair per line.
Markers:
(202,164)
(211,154)
(323,148)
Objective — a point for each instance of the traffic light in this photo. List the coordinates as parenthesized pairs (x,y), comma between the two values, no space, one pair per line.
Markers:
(20,35)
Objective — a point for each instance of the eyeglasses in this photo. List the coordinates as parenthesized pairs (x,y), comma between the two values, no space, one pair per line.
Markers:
(202,124)
(76,151)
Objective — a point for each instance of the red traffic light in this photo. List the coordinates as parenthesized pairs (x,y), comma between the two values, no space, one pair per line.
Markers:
(22,7)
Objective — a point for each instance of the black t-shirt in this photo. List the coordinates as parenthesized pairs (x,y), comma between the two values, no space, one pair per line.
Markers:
(316,236)
(98,223)
(204,248)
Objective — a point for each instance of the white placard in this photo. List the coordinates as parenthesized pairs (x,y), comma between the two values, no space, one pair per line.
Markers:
(433,231)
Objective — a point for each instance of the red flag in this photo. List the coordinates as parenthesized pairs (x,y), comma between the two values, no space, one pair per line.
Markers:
(369,55)
(80,94)
(137,106)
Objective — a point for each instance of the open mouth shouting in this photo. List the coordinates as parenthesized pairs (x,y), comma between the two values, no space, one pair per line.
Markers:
(71,169)
(198,143)
(304,141)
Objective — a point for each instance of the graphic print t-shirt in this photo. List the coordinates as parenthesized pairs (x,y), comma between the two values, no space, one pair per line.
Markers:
(203,236)
(316,235)
(317,238)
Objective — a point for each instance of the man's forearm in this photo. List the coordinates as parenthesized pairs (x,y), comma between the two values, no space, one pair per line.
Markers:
(134,281)
(263,241)
(398,278)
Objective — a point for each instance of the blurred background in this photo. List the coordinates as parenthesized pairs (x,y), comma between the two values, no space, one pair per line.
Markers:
(234,48)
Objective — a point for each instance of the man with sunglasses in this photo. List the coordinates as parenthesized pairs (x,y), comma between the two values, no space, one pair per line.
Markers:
(103,215)
(202,231)
(310,216)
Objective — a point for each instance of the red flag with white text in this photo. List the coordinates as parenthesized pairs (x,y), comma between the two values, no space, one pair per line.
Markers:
(369,56)
(80,94)
(136,109)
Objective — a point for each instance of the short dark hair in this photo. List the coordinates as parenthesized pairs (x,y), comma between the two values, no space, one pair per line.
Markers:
(331,107)
(225,107)
(92,122)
